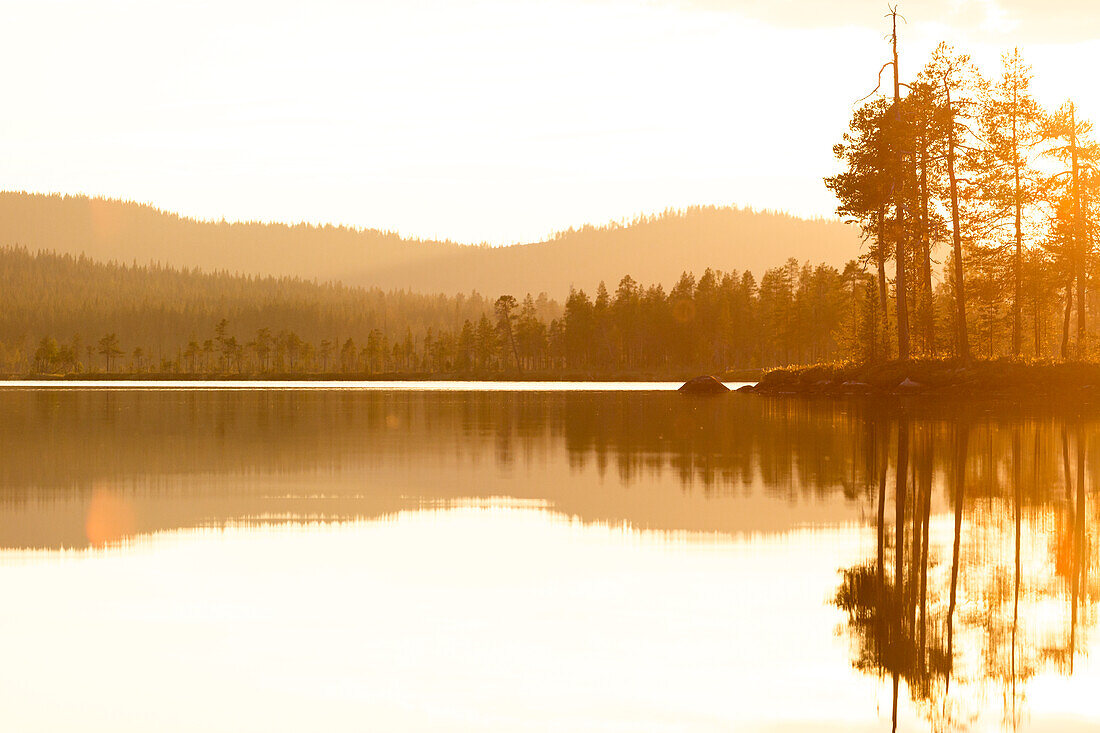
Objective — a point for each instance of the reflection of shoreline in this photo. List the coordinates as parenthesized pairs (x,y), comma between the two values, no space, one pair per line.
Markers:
(61,521)
(651,460)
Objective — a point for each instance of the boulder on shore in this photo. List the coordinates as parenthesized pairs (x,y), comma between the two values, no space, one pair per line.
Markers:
(704,385)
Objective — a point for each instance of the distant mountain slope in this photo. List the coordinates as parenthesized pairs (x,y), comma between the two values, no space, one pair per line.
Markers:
(123,231)
(651,249)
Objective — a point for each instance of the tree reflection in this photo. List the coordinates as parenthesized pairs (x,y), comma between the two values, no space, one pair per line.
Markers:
(889,614)
(948,630)
(976,579)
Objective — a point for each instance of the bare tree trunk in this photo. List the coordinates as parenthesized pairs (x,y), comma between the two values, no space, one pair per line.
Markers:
(899,216)
(515,351)
(962,345)
(884,303)
(1017,265)
(1080,347)
(1079,236)
(1018,259)
(1035,324)
(927,312)
(1065,321)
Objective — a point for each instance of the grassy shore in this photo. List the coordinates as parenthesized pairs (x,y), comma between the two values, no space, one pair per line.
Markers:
(1003,378)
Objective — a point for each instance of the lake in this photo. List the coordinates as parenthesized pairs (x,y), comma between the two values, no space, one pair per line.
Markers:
(412,556)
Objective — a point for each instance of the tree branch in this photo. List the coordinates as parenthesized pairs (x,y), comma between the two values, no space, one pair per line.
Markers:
(879,85)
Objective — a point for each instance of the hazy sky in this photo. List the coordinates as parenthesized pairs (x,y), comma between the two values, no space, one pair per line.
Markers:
(494,120)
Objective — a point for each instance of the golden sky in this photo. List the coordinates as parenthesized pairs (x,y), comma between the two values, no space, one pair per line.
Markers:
(477,120)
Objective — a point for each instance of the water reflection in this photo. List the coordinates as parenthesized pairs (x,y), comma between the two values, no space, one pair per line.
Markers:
(1006,595)
(649,460)
(972,590)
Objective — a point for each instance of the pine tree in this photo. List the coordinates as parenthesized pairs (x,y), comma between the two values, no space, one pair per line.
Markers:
(1013,126)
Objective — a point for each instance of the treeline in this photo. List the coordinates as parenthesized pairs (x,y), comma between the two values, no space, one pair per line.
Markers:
(55,311)
(60,314)
(973,173)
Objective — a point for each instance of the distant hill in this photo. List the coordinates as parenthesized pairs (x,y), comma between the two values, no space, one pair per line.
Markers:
(651,249)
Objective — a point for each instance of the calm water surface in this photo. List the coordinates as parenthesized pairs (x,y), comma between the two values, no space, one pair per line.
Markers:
(442,557)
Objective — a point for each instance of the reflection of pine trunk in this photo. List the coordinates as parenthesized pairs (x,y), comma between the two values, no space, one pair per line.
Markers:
(961,436)
(926,496)
(1078,545)
(882,460)
(1068,477)
(917,502)
(901,478)
(1017,499)
(894,713)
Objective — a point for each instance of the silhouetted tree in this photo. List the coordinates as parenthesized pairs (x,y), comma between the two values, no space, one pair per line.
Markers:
(109,348)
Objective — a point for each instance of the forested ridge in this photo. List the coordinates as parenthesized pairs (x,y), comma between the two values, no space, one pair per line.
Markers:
(65,314)
(653,248)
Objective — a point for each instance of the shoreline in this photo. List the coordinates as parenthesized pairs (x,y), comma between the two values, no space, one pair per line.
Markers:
(934,378)
(742,375)
(925,379)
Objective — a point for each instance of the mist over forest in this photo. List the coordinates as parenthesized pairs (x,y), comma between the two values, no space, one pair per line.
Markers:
(652,249)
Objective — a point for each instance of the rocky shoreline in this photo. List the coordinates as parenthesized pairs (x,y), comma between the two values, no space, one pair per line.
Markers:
(936,378)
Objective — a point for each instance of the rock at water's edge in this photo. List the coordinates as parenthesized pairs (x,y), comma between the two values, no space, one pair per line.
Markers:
(704,385)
